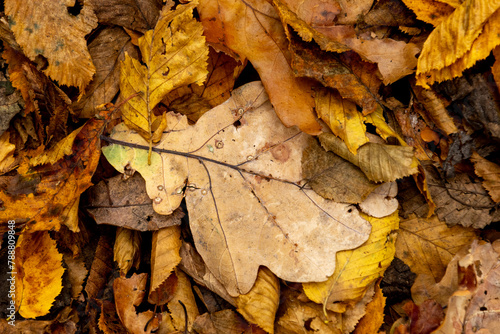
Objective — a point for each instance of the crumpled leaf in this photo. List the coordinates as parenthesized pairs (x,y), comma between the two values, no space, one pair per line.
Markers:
(342,117)
(379,162)
(427,245)
(474,306)
(69,61)
(333,177)
(127,249)
(459,41)
(125,203)
(239,181)
(260,304)
(107,50)
(357,269)
(39,274)
(228,24)
(174,54)
(129,293)
(47,196)
(490,172)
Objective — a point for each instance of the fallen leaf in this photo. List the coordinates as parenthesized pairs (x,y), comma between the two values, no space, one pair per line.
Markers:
(389,13)
(69,61)
(379,162)
(11,100)
(164,254)
(174,54)
(260,304)
(47,196)
(57,152)
(107,50)
(374,317)
(430,11)
(425,318)
(227,29)
(495,69)
(239,181)
(125,203)
(7,160)
(129,293)
(39,274)
(127,249)
(226,321)
(138,15)
(385,131)
(77,273)
(101,266)
(381,202)
(427,245)
(333,177)
(490,172)
(109,322)
(459,41)
(342,117)
(357,269)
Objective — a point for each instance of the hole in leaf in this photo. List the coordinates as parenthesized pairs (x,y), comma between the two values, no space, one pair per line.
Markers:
(483,308)
(76,9)
(237,124)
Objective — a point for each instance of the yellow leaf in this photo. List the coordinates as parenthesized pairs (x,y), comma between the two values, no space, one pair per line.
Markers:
(182,293)
(495,69)
(47,28)
(7,160)
(458,42)
(39,278)
(174,54)
(430,11)
(379,162)
(357,269)
(127,249)
(427,245)
(377,119)
(260,304)
(345,121)
(164,254)
(374,317)
(490,172)
(59,150)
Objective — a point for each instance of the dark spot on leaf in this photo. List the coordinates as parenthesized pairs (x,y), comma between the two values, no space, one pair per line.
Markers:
(483,308)
(237,124)
(76,9)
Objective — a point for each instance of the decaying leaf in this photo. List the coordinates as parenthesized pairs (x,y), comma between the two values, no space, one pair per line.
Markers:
(47,196)
(333,177)
(127,249)
(459,41)
(125,203)
(229,23)
(77,273)
(243,193)
(424,318)
(66,51)
(427,245)
(379,162)
(357,269)
(260,304)
(174,54)
(342,117)
(101,267)
(490,172)
(39,274)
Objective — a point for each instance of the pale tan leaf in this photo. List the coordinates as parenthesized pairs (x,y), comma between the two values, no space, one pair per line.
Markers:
(183,293)
(164,254)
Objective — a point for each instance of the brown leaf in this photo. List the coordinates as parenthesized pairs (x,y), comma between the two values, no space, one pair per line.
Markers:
(132,14)
(125,203)
(127,249)
(227,205)
(490,172)
(226,29)
(107,50)
(182,293)
(227,322)
(69,61)
(102,265)
(425,318)
(77,273)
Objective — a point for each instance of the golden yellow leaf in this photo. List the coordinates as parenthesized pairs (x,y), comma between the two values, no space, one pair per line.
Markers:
(458,42)
(32,23)
(56,152)
(490,172)
(495,69)
(127,249)
(182,293)
(39,274)
(7,160)
(174,54)
(357,269)
(260,304)
(164,254)
(374,317)
(377,119)
(379,162)
(427,244)
(430,11)
(345,121)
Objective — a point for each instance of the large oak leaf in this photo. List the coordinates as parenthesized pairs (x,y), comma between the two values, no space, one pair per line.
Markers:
(247,202)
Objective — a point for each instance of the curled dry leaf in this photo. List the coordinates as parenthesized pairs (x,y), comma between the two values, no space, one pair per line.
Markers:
(228,24)
(244,193)
(260,304)
(357,269)
(127,249)
(39,274)
(379,162)
(69,61)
